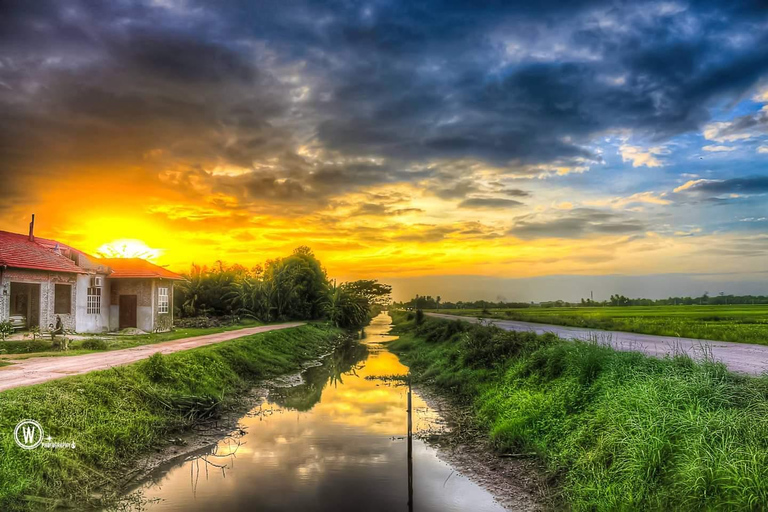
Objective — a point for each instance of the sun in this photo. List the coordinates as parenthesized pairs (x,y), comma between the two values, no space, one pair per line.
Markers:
(128,248)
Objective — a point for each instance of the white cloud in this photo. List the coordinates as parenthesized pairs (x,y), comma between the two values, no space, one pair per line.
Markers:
(717,149)
(762,149)
(642,157)
(761,96)
(691,183)
(744,127)
(649,197)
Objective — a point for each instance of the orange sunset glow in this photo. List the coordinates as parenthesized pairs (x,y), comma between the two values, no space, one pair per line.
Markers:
(480,161)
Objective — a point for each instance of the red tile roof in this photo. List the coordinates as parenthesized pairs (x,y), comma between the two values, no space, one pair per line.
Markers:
(136,268)
(18,251)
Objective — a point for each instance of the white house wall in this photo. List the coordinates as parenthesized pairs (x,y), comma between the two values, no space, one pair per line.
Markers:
(91,323)
(47,282)
(146,291)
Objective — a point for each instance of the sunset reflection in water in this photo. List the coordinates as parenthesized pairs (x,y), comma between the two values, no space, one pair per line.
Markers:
(335,442)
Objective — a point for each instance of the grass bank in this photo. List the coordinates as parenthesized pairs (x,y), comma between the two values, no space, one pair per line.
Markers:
(739,323)
(617,430)
(115,416)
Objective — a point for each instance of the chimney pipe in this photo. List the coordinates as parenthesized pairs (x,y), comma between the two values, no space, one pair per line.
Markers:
(32,229)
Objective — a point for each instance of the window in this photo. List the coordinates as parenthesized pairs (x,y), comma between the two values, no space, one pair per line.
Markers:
(94,300)
(62,299)
(162,303)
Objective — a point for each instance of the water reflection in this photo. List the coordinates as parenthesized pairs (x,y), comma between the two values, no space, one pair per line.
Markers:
(335,442)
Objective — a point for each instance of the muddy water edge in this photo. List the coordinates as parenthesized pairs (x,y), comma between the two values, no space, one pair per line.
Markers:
(336,438)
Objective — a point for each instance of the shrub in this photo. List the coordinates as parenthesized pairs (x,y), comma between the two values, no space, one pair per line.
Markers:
(156,369)
(203,322)
(419,317)
(94,344)
(6,329)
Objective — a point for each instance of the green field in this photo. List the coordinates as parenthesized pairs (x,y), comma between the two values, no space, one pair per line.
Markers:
(741,323)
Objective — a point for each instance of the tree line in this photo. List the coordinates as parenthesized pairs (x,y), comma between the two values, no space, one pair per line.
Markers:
(429,302)
(703,300)
(295,287)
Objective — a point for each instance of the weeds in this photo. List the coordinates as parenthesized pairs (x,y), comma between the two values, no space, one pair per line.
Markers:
(621,431)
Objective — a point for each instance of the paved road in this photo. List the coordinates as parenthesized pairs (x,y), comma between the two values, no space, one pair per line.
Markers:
(739,357)
(27,372)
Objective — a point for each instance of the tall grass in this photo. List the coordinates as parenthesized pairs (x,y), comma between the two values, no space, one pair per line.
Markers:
(621,431)
(116,415)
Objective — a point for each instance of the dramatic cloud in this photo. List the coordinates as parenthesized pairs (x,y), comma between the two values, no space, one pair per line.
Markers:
(385,131)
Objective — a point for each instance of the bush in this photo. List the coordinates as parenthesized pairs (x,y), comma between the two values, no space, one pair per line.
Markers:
(156,369)
(419,317)
(6,329)
(94,344)
(487,347)
(434,331)
(204,322)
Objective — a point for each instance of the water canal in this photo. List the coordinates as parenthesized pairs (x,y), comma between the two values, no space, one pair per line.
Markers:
(335,440)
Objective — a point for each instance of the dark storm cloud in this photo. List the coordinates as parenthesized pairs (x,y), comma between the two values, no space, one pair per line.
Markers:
(380,210)
(489,202)
(577,223)
(749,185)
(516,192)
(245,84)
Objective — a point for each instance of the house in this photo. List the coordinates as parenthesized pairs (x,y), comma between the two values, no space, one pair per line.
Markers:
(42,280)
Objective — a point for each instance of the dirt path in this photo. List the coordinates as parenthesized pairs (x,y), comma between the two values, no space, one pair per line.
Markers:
(738,357)
(27,372)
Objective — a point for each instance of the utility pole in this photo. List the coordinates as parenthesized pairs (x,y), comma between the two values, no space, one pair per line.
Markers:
(410,446)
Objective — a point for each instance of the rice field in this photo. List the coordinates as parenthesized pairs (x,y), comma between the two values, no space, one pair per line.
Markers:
(738,323)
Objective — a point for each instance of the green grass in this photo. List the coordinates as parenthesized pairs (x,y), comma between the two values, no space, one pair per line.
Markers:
(617,430)
(114,416)
(740,323)
(42,346)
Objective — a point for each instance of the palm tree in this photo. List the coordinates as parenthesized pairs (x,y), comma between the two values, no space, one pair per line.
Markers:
(344,308)
(192,289)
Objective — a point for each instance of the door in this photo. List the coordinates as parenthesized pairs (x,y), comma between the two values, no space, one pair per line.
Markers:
(33,319)
(128,311)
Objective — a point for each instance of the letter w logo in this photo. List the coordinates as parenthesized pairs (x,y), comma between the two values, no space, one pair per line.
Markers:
(29,434)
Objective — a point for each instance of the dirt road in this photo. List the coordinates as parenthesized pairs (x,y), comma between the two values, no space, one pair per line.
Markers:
(27,372)
(739,357)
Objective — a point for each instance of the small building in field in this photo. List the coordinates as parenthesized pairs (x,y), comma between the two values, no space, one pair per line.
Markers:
(42,280)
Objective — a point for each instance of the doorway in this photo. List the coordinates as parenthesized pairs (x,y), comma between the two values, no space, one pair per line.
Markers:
(128,307)
(25,303)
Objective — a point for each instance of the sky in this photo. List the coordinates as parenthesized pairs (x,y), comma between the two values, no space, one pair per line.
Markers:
(530,150)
